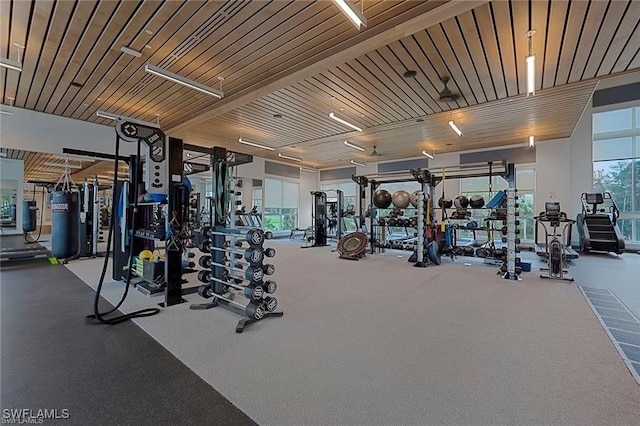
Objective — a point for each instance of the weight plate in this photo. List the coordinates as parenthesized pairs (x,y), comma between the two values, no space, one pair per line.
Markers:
(271,303)
(270,287)
(203,276)
(270,252)
(269,269)
(204,261)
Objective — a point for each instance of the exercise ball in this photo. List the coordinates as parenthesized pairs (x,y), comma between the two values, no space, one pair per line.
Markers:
(382,199)
(461,202)
(401,199)
(476,201)
(445,203)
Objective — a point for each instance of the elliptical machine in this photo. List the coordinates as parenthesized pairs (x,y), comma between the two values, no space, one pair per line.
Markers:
(555,247)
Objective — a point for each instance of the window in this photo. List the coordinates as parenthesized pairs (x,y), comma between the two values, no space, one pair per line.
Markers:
(616,164)
(281,205)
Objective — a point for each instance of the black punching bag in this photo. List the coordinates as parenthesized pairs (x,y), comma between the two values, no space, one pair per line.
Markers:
(65,224)
(29,220)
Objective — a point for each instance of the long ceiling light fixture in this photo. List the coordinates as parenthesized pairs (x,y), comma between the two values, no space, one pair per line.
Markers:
(346,123)
(531,66)
(307,169)
(358,164)
(351,11)
(286,157)
(54,164)
(184,81)
(10,64)
(426,154)
(532,141)
(452,124)
(257,145)
(349,144)
(114,117)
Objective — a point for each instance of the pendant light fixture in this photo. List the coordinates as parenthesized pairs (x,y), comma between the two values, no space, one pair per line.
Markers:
(160,72)
(287,157)
(350,145)
(340,120)
(426,154)
(351,11)
(455,128)
(531,66)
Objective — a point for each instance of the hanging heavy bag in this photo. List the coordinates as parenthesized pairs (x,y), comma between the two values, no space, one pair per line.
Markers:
(65,224)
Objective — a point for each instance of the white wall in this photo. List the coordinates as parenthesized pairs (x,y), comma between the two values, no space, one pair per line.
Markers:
(35,131)
(14,170)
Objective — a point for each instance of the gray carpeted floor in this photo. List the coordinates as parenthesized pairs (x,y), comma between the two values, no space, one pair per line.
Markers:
(102,375)
(380,342)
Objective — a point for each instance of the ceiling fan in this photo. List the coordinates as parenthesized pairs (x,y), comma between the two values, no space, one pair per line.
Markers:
(445,94)
(374,152)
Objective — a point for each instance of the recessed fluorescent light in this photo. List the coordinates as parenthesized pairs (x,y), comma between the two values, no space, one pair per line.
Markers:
(11,64)
(183,80)
(358,164)
(6,113)
(307,169)
(452,124)
(289,158)
(352,12)
(346,123)
(257,145)
(426,154)
(359,148)
(71,166)
(131,52)
(532,141)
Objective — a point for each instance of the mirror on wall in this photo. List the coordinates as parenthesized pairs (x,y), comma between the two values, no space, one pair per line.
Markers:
(8,203)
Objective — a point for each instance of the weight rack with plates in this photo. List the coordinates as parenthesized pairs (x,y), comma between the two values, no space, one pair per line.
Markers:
(233,268)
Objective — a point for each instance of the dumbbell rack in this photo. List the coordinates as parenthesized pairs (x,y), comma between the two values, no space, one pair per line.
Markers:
(223,272)
(509,269)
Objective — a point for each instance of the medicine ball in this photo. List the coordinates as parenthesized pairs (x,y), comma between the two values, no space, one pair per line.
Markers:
(401,199)
(414,198)
(461,202)
(381,221)
(392,221)
(445,203)
(476,201)
(382,199)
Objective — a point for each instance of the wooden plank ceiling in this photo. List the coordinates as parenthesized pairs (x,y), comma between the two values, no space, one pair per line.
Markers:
(283,61)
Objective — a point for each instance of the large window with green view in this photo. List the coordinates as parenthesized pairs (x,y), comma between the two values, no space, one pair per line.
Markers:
(525,184)
(616,164)
(281,205)
(349,192)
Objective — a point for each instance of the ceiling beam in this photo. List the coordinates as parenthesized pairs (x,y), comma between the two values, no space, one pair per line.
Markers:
(428,14)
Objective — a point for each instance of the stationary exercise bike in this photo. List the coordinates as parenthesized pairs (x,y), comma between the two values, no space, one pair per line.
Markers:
(555,247)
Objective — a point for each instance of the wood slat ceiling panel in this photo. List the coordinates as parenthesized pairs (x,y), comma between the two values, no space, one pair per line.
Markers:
(48,63)
(504,122)
(623,31)
(259,47)
(606,32)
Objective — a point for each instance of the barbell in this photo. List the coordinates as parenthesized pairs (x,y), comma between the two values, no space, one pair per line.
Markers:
(253,273)
(252,254)
(252,291)
(252,310)
(253,236)
(268,269)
